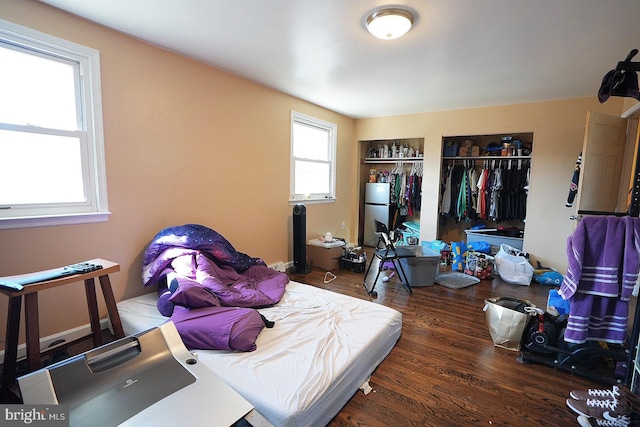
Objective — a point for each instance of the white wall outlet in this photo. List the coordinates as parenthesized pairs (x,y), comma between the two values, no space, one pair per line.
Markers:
(344,225)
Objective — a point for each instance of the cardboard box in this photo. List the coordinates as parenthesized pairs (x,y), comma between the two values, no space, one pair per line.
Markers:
(325,258)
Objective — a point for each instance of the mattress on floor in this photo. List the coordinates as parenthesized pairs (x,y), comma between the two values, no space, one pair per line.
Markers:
(139,314)
(323,347)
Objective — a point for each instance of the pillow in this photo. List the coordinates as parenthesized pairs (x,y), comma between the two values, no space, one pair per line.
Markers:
(218,328)
(165,307)
(191,294)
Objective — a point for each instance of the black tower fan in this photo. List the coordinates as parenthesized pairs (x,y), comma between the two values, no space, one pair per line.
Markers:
(299,245)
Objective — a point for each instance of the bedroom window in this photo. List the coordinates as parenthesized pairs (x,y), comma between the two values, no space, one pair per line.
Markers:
(313,155)
(52,168)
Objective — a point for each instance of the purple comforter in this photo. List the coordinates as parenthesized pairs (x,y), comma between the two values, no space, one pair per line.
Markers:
(208,289)
(173,242)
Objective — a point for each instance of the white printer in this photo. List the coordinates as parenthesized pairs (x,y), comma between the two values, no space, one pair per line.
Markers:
(149,379)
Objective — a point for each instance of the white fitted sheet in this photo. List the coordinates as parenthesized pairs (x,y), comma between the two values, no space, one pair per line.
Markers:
(323,347)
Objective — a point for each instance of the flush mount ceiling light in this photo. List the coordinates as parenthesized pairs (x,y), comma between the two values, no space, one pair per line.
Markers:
(390,23)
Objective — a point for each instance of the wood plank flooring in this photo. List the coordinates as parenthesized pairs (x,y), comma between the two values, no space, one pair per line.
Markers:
(444,370)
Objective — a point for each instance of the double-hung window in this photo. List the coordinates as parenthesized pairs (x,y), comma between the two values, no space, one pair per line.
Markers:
(313,159)
(52,168)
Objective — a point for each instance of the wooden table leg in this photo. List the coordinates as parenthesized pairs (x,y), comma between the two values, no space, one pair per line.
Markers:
(94,317)
(32,330)
(112,309)
(11,346)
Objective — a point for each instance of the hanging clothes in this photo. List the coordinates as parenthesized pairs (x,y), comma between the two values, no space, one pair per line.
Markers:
(514,196)
(461,205)
(392,189)
(473,182)
(405,192)
(498,193)
(482,190)
(445,206)
(575,179)
(407,195)
(416,189)
(456,180)
(494,203)
(472,195)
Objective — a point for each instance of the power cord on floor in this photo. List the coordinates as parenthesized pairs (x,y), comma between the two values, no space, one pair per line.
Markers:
(329,277)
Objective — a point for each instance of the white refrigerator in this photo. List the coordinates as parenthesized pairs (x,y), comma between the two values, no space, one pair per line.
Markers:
(376,207)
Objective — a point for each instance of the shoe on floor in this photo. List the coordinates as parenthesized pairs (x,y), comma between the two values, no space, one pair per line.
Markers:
(596,408)
(594,393)
(609,421)
(620,392)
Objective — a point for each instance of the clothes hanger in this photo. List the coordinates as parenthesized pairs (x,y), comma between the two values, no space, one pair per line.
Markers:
(627,65)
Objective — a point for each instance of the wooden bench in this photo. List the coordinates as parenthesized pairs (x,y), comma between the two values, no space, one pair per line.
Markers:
(32,327)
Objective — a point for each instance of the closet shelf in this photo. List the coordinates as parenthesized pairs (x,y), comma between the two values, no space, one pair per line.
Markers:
(487,158)
(392,159)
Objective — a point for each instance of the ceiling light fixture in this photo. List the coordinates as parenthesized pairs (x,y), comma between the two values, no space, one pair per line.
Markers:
(390,23)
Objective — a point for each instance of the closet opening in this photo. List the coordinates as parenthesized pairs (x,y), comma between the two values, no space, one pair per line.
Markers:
(390,188)
(484,185)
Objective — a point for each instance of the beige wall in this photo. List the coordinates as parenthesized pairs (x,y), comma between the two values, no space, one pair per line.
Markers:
(558,129)
(185,143)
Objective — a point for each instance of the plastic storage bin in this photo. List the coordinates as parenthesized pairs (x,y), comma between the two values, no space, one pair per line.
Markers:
(421,270)
(493,238)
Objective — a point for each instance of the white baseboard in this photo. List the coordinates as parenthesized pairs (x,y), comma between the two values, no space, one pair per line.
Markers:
(68,336)
(281,266)
(277,266)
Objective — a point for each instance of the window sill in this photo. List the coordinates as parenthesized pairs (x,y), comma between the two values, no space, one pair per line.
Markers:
(43,221)
(312,201)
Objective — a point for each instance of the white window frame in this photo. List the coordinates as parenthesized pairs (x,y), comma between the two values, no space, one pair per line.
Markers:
(332,129)
(95,208)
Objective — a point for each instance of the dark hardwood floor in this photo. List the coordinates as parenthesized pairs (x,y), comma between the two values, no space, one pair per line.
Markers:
(444,370)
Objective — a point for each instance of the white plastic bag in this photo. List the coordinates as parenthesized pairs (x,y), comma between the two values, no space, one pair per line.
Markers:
(512,266)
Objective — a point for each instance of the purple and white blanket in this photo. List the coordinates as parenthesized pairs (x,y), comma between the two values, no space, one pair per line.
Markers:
(173,242)
(208,289)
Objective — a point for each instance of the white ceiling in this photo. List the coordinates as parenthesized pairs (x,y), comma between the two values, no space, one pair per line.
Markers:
(460,53)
